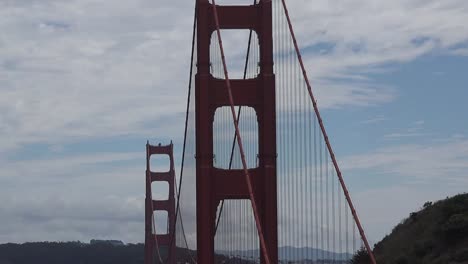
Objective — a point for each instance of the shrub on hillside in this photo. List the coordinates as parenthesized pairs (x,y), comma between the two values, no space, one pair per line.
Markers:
(461,256)
(456,227)
(423,248)
(361,257)
(402,260)
(457,205)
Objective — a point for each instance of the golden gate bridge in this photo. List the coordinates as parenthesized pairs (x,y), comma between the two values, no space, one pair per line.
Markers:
(259,181)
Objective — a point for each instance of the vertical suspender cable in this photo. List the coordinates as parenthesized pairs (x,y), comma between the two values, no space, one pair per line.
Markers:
(310,125)
(339,221)
(322,240)
(287,163)
(354,238)
(333,214)
(294,151)
(327,205)
(282,131)
(306,173)
(347,231)
(327,141)
(289,144)
(316,189)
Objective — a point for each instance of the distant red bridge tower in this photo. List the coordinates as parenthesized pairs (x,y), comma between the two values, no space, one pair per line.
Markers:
(154,241)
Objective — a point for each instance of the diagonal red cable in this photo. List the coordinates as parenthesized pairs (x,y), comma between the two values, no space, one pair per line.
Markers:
(324,132)
(239,139)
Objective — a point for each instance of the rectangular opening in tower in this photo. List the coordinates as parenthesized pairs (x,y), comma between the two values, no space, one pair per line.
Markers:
(160,226)
(160,163)
(242,54)
(235,2)
(225,149)
(160,190)
(236,234)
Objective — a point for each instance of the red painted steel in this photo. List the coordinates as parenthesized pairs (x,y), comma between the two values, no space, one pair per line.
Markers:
(154,242)
(239,143)
(261,97)
(324,132)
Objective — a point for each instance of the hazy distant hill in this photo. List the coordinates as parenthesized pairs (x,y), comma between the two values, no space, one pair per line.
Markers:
(437,234)
(97,252)
(297,254)
(115,252)
(70,253)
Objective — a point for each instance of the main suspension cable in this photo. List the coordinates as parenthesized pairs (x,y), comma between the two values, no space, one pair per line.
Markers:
(179,189)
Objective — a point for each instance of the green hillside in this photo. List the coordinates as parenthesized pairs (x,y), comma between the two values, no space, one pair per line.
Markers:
(437,234)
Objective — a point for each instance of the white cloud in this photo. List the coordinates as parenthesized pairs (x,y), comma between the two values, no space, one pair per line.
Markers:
(373,120)
(38,169)
(75,70)
(444,162)
(419,123)
(75,198)
(460,52)
(402,135)
(340,95)
(362,37)
(101,70)
(414,130)
(367,33)
(61,218)
(103,74)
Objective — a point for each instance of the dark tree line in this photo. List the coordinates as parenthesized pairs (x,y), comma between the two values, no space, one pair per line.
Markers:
(71,253)
(84,253)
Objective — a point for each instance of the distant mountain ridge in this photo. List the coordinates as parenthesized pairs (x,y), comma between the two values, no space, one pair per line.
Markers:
(70,253)
(96,252)
(294,254)
(116,252)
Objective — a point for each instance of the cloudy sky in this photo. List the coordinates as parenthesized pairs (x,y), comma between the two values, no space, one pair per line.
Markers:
(84,84)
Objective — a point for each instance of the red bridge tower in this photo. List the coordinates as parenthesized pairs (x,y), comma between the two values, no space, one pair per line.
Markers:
(213,184)
(154,241)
